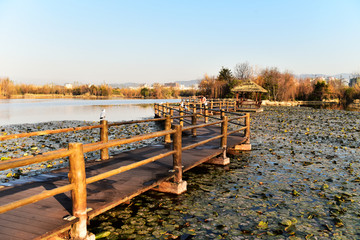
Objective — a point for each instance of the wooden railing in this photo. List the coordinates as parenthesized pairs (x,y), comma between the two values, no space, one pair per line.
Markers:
(198,108)
(75,153)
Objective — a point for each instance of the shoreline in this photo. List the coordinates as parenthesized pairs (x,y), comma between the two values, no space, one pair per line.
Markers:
(59,96)
(299,103)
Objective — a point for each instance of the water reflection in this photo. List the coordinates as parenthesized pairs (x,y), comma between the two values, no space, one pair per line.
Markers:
(17,111)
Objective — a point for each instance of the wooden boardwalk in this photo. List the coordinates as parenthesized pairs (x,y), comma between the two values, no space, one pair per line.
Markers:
(45,218)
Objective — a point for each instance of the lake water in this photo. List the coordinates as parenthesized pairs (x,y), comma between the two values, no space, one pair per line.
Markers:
(18,111)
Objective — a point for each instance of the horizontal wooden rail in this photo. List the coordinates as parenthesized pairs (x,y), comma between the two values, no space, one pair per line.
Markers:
(237,118)
(35,198)
(209,116)
(177,117)
(201,125)
(201,143)
(24,161)
(234,113)
(237,130)
(135,121)
(47,132)
(117,142)
(236,123)
(127,167)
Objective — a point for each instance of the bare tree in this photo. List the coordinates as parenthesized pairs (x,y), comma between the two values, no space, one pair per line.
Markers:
(243,71)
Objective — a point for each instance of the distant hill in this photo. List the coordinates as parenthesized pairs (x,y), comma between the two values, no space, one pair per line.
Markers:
(188,83)
(124,85)
(345,76)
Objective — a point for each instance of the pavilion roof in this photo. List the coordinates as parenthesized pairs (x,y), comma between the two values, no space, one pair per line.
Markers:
(248,86)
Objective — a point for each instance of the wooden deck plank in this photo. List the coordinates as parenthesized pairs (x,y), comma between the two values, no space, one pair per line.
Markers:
(26,219)
(13,233)
(102,195)
(29,229)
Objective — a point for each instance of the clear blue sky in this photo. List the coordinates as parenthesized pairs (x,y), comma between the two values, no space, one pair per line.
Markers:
(150,41)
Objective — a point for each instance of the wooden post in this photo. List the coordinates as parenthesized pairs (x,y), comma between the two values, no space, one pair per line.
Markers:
(167,127)
(246,146)
(156,109)
(193,122)
(222,113)
(235,107)
(222,160)
(219,104)
(161,110)
(224,125)
(211,106)
(181,112)
(227,105)
(171,114)
(77,176)
(247,130)
(194,108)
(104,137)
(178,186)
(178,154)
(206,114)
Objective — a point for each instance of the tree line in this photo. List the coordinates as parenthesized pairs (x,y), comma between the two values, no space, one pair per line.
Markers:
(281,86)
(9,89)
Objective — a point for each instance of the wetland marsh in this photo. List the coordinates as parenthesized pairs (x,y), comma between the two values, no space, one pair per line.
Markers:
(300,181)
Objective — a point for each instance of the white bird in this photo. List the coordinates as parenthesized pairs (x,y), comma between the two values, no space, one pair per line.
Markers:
(102,115)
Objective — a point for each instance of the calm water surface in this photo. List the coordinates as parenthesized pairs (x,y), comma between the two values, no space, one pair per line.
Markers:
(18,111)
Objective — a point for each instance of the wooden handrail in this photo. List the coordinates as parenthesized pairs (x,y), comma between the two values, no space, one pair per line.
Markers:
(117,142)
(19,162)
(75,154)
(201,143)
(23,161)
(237,118)
(47,132)
(127,167)
(237,130)
(135,121)
(201,125)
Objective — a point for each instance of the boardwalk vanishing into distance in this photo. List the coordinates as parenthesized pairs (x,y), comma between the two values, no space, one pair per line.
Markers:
(62,203)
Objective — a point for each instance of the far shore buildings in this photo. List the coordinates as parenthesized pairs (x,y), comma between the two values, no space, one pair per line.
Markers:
(168,85)
(68,86)
(354,81)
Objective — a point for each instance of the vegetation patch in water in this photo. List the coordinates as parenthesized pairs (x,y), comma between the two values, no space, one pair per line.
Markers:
(300,181)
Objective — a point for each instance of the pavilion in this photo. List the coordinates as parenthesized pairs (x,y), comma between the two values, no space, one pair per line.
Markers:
(244,91)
